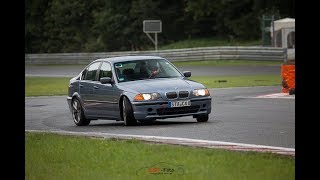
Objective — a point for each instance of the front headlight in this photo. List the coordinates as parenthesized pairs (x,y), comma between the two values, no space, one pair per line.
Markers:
(201,92)
(146,96)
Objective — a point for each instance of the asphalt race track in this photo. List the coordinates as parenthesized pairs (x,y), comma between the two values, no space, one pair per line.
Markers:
(239,115)
(73,70)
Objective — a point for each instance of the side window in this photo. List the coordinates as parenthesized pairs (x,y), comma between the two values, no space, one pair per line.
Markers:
(92,71)
(105,70)
(84,72)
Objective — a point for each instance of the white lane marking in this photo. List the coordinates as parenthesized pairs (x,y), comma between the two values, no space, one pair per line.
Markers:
(277,95)
(183,141)
(270,96)
(245,87)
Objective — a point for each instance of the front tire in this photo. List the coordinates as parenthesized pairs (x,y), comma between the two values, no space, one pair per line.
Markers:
(203,118)
(78,115)
(127,113)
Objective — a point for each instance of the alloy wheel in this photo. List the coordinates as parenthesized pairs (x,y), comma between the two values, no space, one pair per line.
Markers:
(76,111)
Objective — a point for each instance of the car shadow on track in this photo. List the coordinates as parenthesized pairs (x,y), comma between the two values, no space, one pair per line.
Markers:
(155,123)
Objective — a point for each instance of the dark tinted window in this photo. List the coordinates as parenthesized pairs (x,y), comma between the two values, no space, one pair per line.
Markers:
(92,71)
(83,75)
(105,70)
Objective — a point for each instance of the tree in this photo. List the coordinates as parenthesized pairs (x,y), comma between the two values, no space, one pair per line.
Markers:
(67,25)
(34,29)
(111,25)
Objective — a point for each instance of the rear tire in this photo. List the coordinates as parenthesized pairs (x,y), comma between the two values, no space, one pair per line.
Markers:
(127,113)
(78,115)
(202,118)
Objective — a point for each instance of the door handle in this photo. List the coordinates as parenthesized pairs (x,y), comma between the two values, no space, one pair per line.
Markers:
(81,85)
(96,87)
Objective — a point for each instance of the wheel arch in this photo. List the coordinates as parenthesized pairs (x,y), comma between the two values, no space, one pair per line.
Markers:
(129,96)
(77,95)
(120,105)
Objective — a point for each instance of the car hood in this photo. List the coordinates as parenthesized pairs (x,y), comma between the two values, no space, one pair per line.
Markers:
(162,85)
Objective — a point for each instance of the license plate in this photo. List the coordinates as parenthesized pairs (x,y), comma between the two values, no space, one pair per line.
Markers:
(179,103)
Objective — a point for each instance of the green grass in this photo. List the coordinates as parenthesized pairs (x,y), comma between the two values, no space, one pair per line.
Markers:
(54,86)
(46,86)
(208,42)
(50,156)
(238,81)
(228,63)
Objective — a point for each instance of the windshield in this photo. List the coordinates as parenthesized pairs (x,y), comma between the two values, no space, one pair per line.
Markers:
(145,69)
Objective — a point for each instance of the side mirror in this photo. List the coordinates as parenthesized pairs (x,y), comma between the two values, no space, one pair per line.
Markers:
(105,80)
(186,73)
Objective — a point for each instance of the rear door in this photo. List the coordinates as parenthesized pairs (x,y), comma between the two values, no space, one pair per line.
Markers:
(86,84)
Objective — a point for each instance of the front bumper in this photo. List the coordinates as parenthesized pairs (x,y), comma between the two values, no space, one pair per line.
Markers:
(161,110)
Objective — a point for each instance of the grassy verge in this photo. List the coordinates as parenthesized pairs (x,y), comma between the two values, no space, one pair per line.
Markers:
(228,63)
(238,81)
(51,86)
(46,86)
(50,156)
(208,42)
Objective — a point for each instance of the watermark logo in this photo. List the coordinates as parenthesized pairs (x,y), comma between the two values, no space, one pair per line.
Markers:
(161,168)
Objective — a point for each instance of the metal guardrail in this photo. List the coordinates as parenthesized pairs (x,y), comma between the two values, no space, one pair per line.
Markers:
(205,53)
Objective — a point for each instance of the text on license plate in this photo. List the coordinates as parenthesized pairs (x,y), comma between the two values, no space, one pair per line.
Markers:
(179,103)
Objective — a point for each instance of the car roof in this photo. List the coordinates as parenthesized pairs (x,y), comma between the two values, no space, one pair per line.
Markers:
(128,58)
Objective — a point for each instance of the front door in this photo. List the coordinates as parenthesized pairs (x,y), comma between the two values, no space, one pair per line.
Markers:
(104,93)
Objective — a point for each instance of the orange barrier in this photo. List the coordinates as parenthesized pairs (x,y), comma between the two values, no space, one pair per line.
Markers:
(288,77)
